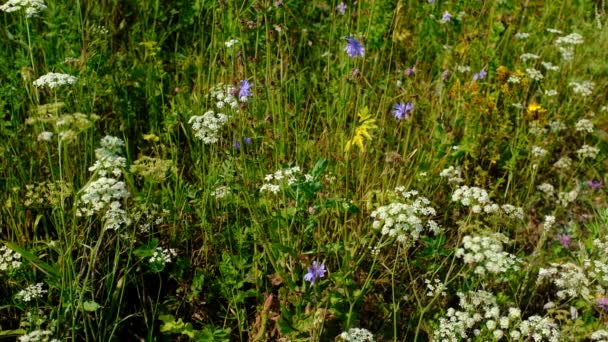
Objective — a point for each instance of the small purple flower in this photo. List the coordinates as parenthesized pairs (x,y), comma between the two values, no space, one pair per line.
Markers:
(341,8)
(236,145)
(354,48)
(595,184)
(248,141)
(603,303)
(315,271)
(446,17)
(480,75)
(245,90)
(409,72)
(402,110)
(564,239)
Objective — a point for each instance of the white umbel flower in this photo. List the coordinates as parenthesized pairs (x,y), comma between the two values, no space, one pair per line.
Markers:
(53,80)
(31,7)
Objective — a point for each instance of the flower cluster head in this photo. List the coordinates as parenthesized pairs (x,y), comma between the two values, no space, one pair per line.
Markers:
(587,151)
(100,194)
(9,260)
(479,201)
(221,192)
(571,39)
(31,292)
(108,158)
(406,218)
(570,280)
(54,80)
(357,335)
(31,7)
(354,48)
(599,335)
(38,336)
(453,174)
(486,253)
(584,125)
(230,43)
(584,88)
(274,182)
(206,127)
(402,110)
(315,272)
(224,96)
(595,184)
(162,256)
(480,318)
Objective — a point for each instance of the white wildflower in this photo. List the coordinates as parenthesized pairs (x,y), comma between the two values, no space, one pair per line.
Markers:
(528,56)
(9,260)
(584,125)
(31,292)
(571,39)
(54,80)
(534,74)
(587,151)
(584,88)
(45,136)
(206,127)
(31,7)
(522,35)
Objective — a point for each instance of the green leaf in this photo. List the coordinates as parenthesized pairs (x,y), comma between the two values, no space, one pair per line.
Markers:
(90,306)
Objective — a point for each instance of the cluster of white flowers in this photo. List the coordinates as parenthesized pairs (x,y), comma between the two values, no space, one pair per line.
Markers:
(557,126)
(481,317)
(565,198)
(147,216)
(546,189)
(45,136)
(551,92)
(587,151)
(479,201)
(570,280)
(230,43)
(406,218)
(108,158)
(435,288)
(552,30)
(162,256)
(453,174)
(564,163)
(105,194)
(221,192)
(54,80)
(538,151)
(537,129)
(486,252)
(567,53)
(38,336)
(224,95)
(31,7)
(522,35)
(600,335)
(549,66)
(571,39)
(273,182)
(584,88)
(99,194)
(549,222)
(31,292)
(357,335)
(206,127)
(534,74)
(9,260)
(584,125)
(515,79)
(528,56)
(463,69)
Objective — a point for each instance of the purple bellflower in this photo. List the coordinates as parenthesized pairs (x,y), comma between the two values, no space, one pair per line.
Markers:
(402,110)
(354,48)
(315,271)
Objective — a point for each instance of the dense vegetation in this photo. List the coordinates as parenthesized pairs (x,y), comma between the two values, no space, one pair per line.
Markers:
(303,170)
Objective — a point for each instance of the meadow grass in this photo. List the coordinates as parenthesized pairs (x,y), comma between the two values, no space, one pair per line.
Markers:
(303,170)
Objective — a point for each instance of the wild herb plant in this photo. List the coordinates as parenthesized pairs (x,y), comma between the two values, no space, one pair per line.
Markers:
(282,170)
